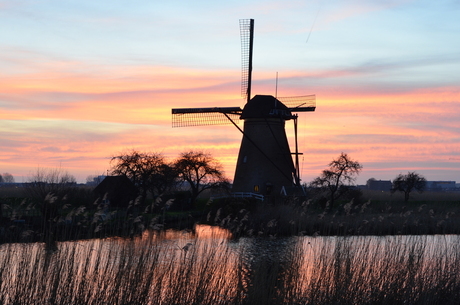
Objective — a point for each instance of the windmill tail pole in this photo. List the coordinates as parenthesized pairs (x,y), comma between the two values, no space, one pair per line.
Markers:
(297,167)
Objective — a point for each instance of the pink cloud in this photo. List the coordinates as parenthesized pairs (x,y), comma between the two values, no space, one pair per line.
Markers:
(79,120)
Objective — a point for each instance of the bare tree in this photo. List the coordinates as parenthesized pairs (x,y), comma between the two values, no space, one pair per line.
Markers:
(201,171)
(7,178)
(408,183)
(335,180)
(49,182)
(148,171)
(49,189)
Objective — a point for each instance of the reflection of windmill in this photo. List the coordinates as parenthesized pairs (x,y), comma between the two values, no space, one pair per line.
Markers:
(265,164)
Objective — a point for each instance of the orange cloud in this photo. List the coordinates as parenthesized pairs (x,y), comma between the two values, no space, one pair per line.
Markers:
(78,120)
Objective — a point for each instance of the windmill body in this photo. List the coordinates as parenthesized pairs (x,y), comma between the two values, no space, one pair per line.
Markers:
(264,162)
(265,165)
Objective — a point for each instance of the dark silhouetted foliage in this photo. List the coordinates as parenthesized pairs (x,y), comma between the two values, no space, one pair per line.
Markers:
(335,181)
(200,171)
(408,183)
(148,171)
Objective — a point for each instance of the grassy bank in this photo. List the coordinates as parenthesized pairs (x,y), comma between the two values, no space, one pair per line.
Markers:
(376,213)
(23,219)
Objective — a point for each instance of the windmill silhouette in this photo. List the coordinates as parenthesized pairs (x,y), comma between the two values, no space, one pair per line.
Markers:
(264,166)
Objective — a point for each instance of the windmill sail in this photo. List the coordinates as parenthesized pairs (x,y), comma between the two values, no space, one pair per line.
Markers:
(185,117)
(299,103)
(247,42)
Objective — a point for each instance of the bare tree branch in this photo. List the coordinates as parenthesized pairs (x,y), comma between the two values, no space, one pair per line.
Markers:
(341,173)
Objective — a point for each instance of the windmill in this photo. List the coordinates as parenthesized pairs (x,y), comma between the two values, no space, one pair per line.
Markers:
(265,165)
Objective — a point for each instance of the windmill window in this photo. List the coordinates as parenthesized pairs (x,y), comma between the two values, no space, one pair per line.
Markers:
(268,187)
(245,159)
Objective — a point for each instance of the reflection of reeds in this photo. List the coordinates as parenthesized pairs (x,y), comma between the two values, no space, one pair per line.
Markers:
(299,270)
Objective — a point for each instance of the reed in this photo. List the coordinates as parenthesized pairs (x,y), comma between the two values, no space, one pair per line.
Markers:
(379,214)
(182,269)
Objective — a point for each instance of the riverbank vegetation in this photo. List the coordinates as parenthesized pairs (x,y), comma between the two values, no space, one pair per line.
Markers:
(371,213)
(188,269)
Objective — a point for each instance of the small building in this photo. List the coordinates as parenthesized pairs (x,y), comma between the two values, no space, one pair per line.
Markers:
(379,185)
(96,180)
(116,191)
(441,186)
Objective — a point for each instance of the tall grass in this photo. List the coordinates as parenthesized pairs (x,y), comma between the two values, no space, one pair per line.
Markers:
(380,270)
(149,270)
(380,214)
(184,269)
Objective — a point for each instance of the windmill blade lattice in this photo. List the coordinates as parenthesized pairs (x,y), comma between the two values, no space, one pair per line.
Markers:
(247,37)
(299,103)
(185,117)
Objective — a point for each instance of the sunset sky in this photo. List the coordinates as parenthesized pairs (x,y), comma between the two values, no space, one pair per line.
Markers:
(81,81)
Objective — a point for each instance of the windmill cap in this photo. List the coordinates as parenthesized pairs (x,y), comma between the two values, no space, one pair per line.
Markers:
(265,106)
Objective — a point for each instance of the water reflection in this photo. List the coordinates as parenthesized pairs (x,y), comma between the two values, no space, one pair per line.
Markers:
(198,232)
(206,266)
